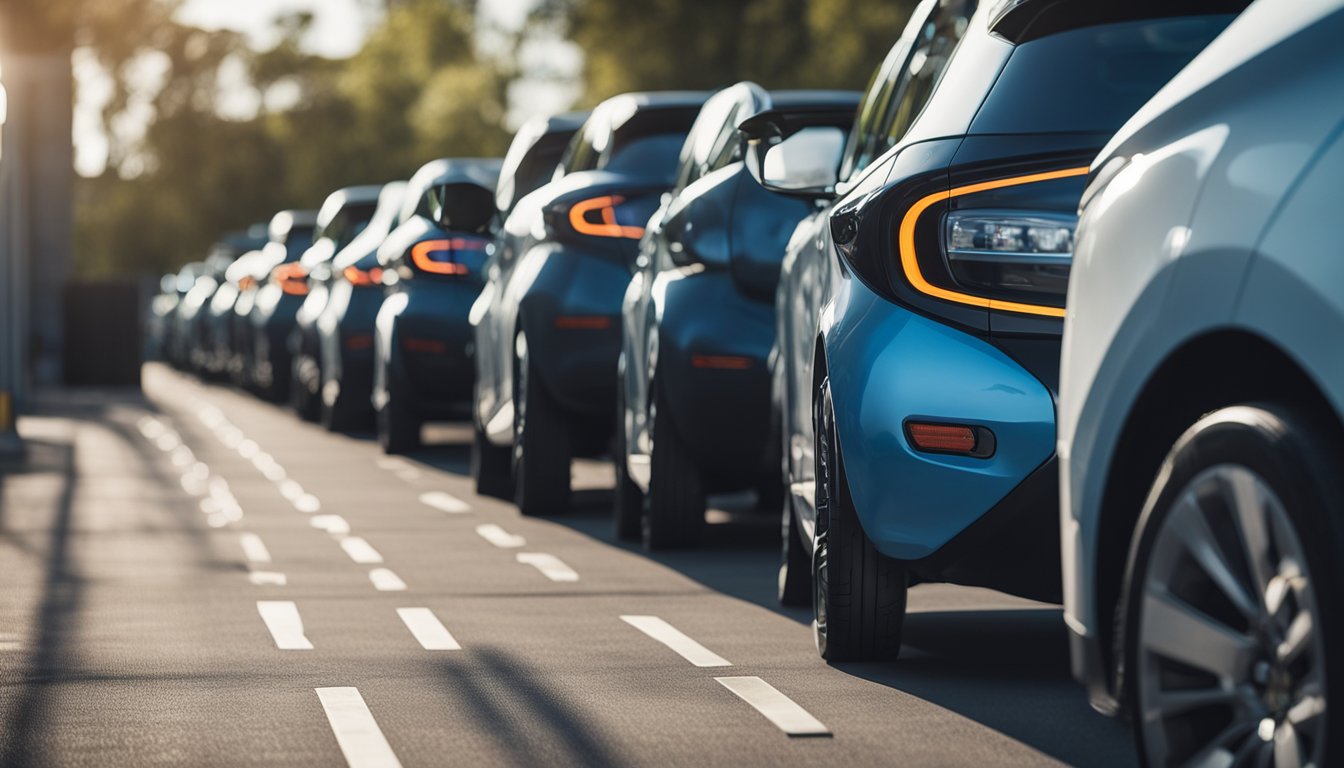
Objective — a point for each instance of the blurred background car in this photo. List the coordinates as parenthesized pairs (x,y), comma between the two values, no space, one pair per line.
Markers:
(174,288)
(434,261)
(936,354)
(343,216)
(693,398)
(1201,410)
(220,327)
(195,327)
(272,313)
(547,325)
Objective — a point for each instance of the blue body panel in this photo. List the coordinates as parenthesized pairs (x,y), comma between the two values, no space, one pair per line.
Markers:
(887,364)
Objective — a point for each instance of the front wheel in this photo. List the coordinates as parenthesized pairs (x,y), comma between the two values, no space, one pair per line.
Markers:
(1234,595)
(541,447)
(859,594)
(628,506)
(398,425)
(491,465)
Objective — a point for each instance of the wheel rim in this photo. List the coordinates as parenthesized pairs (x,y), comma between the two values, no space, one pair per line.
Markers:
(824,498)
(1231,658)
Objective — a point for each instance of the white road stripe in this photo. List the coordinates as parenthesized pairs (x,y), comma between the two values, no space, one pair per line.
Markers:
(307,503)
(291,490)
(248,449)
(333,524)
(282,619)
(360,550)
(267,578)
(427,628)
(445,502)
(675,639)
(385,580)
(552,566)
(361,740)
(777,708)
(254,548)
(500,537)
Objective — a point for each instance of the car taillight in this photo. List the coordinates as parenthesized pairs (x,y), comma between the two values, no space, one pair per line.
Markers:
(446,256)
(597,217)
(1000,259)
(359,277)
(292,278)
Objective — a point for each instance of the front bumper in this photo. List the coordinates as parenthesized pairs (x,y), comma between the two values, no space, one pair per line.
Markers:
(887,365)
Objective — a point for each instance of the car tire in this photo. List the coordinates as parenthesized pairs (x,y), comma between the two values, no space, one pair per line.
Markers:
(301,397)
(859,594)
(341,416)
(541,447)
(674,512)
(628,505)
(1237,547)
(795,567)
(491,465)
(398,425)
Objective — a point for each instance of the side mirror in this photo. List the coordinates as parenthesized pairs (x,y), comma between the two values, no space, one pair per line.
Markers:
(797,153)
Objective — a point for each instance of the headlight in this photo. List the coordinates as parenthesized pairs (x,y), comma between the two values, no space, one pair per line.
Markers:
(1010,250)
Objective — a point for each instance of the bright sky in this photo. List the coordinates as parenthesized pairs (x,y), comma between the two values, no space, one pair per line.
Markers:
(338,30)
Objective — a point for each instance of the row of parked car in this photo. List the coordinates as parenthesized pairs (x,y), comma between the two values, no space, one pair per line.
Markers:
(1062,281)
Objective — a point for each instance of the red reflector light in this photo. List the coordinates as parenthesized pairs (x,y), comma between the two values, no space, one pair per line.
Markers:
(360,341)
(583,322)
(431,346)
(721,362)
(947,438)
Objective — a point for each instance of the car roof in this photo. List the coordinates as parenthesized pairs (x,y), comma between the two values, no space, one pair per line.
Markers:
(1018,21)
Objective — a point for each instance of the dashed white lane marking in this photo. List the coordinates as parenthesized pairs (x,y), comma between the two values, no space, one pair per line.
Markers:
(307,503)
(291,490)
(333,524)
(678,641)
(445,502)
(775,706)
(552,566)
(360,550)
(500,537)
(267,578)
(400,467)
(248,449)
(283,620)
(361,740)
(254,549)
(427,628)
(385,580)
(10,641)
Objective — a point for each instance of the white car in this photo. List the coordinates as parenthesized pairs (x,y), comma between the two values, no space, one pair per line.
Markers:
(1201,411)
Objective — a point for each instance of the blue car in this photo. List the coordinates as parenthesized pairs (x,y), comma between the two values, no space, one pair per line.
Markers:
(693,412)
(547,324)
(275,304)
(433,262)
(933,362)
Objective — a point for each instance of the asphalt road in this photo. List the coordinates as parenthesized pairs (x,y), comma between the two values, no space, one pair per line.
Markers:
(198,578)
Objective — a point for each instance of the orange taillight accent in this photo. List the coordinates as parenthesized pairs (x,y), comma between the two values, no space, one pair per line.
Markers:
(942,437)
(292,278)
(721,362)
(358,276)
(580,218)
(910,263)
(583,322)
(420,256)
(246,283)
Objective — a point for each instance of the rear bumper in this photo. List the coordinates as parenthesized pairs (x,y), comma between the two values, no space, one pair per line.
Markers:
(888,365)
(433,351)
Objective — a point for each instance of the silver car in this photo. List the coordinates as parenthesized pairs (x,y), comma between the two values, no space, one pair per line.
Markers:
(1202,401)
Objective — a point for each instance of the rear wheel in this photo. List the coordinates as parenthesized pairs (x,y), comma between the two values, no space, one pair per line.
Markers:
(491,465)
(341,415)
(1234,595)
(398,425)
(628,506)
(541,447)
(674,513)
(859,594)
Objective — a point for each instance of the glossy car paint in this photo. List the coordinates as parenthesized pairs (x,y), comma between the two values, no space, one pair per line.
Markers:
(433,376)
(698,316)
(272,314)
(894,354)
(534,279)
(1209,217)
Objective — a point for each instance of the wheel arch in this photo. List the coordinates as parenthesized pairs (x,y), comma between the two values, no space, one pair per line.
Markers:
(1214,370)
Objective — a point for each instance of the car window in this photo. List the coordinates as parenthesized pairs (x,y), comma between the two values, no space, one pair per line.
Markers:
(703,136)
(1091,79)
(938,38)
(858,153)
(583,154)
